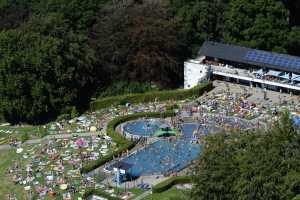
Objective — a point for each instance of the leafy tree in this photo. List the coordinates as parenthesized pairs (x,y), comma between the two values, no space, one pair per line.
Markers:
(42,76)
(74,113)
(258,24)
(78,13)
(294,8)
(202,19)
(293,41)
(119,88)
(250,166)
(13,15)
(24,137)
(140,42)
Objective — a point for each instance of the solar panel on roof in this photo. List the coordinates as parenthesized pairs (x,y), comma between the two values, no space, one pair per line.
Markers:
(273,59)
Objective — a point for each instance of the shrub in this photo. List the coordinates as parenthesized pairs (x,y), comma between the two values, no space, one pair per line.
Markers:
(122,87)
(296,197)
(151,96)
(172,107)
(43,132)
(167,184)
(74,113)
(62,117)
(24,137)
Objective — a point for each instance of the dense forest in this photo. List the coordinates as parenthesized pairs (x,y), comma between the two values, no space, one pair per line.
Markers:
(251,165)
(57,54)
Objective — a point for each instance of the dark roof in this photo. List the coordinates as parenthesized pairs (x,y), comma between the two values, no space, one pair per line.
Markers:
(251,56)
(122,165)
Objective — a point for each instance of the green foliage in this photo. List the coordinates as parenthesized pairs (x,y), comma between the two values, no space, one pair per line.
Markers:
(63,117)
(296,197)
(255,165)
(167,184)
(42,75)
(142,42)
(267,29)
(43,132)
(293,41)
(74,113)
(262,24)
(152,96)
(121,88)
(202,20)
(172,107)
(12,15)
(122,143)
(24,137)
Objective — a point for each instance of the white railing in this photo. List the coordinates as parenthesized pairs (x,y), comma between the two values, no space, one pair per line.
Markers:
(256,80)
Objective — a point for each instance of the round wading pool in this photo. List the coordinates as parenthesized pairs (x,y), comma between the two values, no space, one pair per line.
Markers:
(144,128)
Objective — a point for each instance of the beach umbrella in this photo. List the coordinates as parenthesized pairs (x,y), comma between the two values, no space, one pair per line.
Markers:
(93,129)
(63,186)
(80,142)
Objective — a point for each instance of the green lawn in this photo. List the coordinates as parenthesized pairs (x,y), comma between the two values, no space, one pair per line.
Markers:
(7,186)
(171,194)
(136,191)
(7,132)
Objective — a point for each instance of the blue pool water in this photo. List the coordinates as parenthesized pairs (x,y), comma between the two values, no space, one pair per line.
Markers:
(142,127)
(162,157)
(296,120)
(188,129)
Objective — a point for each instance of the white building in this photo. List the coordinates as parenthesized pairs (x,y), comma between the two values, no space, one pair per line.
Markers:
(243,65)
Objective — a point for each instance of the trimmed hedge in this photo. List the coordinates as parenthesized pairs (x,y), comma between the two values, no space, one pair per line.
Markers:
(100,193)
(123,144)
(167,184)
(151,96)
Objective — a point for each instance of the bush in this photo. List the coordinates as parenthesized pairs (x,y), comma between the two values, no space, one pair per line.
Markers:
(123,144)
(167,184)
(100,193)
(122,87)
(63,117)
(43,132)
(24,137)
(74,113)
(296,197)
(172,107)
(151,96)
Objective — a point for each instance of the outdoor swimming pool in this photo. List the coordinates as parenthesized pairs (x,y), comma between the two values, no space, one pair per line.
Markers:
(144,128)
(189,128)
(162,157)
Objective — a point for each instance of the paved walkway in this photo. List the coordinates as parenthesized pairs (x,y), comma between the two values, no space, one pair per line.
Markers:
(50,137)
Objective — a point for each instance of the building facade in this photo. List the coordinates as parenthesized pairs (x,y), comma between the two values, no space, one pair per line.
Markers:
(242,65)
